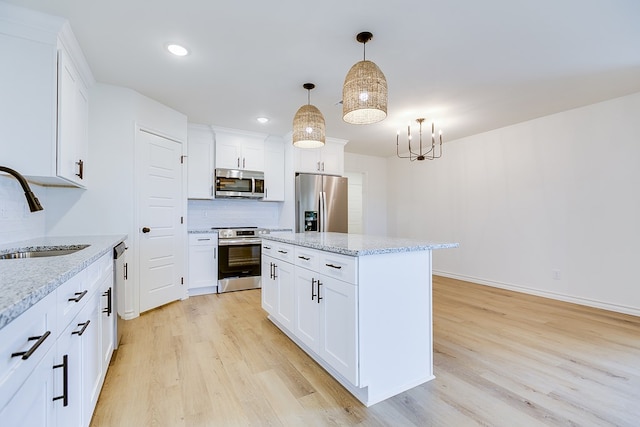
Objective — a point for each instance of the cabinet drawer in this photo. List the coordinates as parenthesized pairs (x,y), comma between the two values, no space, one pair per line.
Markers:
(97,270)
(341,267)
(203,239)
(307,258)
(277,250)
(19,336)
(72,296)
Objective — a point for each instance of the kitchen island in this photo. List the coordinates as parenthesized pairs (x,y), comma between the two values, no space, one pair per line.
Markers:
(359,305)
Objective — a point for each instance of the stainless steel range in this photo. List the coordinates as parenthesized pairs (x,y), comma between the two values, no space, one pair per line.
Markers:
(239,258)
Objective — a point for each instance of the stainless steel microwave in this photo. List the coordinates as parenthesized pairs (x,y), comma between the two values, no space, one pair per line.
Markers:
(234,183)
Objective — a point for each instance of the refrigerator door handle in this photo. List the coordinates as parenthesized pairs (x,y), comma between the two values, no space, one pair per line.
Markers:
(323,212)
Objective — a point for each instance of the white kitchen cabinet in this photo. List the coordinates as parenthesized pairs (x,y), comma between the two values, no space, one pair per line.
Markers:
(239,150)
(32,404)
(200,169)
(328,159)
(44,103)
(278,291)
(325,320)
(108,315)
(203,263)
(274,170)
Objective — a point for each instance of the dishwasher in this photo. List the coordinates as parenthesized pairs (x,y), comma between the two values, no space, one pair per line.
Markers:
(119,284)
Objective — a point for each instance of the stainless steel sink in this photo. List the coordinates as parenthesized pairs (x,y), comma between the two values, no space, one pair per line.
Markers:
(44,251)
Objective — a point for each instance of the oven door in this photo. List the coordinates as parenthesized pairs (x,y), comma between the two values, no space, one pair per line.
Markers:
(238,264)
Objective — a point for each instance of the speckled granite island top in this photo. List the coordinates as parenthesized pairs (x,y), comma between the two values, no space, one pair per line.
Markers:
(356,244)
(25,281)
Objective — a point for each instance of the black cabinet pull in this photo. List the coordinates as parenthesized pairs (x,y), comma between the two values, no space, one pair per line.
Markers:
(313,294)
(267,247)
(26,354)
(108,295)
(304,257)
(65,380)
(79,296)
(126,270)
(275,276)
(81,331)
(80,173)
(334,266)
(319,297)
(283,252)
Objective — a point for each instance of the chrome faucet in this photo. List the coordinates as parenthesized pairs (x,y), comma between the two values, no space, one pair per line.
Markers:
(32,200)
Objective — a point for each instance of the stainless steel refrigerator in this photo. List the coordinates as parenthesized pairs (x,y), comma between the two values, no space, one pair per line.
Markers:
(321,203)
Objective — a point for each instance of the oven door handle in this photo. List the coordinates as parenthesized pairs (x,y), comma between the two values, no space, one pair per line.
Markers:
(239,242)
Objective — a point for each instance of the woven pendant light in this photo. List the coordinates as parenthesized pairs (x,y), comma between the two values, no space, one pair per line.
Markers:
(364,93)
(308,124)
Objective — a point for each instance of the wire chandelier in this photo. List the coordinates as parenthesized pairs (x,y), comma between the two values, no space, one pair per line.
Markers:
(431,153)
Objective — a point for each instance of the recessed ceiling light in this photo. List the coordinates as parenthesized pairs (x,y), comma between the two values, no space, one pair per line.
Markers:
(262,120)
(177,50)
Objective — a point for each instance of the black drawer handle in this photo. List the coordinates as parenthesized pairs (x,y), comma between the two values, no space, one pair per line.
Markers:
(27,354)
(65,380)
(108,295)
(283,252)
(304,257)
(81,331)
(79,296)
(267,247)
(338,267)
(319,297)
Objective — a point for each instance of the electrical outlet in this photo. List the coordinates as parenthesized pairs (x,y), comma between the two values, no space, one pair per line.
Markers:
(555,274)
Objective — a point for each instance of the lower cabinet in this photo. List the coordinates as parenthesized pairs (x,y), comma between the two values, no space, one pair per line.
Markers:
(278,289)
(326,320)
(33,404)
(63,388)
(203,263)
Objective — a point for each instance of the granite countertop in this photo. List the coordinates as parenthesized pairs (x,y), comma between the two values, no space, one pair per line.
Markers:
(25,281)
(356,244)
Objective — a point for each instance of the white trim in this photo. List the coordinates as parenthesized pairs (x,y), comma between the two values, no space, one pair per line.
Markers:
(552,295)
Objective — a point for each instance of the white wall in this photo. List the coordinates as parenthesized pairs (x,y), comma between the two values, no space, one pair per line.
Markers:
(374,193)
(553,196)
(17,222)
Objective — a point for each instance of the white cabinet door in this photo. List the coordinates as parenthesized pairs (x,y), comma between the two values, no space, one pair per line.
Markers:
(307,317)
(69,346)
(253,155)
(203,263)
(200,163)
(307,160)
(285,309)
(274,170)
(73,107)
(332,159)
(269,291)
(107,322)
(91,357)
(338,316)
(33,404)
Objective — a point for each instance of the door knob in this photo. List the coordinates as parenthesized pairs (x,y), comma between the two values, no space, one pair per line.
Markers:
(146,229)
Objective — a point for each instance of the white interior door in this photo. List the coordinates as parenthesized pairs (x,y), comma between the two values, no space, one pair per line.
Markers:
(160,213)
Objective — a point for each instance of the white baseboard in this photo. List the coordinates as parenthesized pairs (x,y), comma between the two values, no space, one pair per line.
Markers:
(552,295)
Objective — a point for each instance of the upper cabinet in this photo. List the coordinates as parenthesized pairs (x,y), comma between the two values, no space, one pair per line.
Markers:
(239,150)
(200,162)
(328,159)
(44,103)
(274,169)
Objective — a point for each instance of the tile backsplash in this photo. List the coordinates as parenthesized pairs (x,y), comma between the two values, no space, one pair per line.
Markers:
(16,221)
(232,213)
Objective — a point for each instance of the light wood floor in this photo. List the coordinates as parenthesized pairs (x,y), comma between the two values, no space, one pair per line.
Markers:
(501,359)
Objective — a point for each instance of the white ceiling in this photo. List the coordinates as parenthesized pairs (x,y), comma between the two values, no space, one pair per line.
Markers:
(471,65)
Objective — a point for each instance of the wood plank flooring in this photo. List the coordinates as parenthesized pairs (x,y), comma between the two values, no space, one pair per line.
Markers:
(501,359)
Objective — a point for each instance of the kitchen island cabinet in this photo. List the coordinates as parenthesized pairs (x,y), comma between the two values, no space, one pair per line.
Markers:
(362,309)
